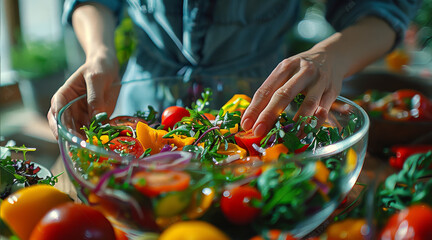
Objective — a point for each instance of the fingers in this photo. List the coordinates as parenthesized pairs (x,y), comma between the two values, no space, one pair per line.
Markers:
(282,96)
(63,95)
(264,94)
(95,93)
(295,75)
(326,102)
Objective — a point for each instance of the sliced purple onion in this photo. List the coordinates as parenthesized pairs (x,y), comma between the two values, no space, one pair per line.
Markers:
(166,148)
(323,187)
(167,160)
(288,127)
(103,181)
(204,133)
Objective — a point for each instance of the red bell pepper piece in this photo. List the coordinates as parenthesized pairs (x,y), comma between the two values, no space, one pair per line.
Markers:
(402,152)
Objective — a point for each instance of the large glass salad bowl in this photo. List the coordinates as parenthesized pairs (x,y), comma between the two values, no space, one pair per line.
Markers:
(297,175)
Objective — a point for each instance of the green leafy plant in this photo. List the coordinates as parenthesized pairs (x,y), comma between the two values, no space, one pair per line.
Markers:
(33,60)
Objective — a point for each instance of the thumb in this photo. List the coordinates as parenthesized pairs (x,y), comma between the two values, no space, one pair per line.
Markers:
(95,95)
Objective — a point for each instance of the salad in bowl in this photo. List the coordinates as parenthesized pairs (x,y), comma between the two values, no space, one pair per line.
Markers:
(182,155)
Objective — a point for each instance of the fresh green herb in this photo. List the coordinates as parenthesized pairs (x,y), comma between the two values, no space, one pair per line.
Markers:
(149,116)
(201,104)
(16,173)
(408,186)
(299,99)
(284,192)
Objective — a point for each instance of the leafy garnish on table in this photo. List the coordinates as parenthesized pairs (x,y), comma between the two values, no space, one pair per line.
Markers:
(411,185)
(16,173)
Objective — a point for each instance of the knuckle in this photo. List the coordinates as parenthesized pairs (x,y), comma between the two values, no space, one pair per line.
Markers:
(94,75)
(263,92)
(254,110)
(321,112)
(285,64)
(284,93)
(311,102)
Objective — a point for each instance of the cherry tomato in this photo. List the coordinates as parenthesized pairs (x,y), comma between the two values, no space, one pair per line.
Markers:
(126,145)
(412,223)
(236,204)
(245,139)
(23,209)
(73,221)
(173,115)
(273,234)
(153,183)
(126,121)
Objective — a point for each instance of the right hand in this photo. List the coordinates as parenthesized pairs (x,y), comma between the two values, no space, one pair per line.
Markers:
(95,78)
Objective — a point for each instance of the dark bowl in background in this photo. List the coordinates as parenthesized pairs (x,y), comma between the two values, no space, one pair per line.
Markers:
(385,133)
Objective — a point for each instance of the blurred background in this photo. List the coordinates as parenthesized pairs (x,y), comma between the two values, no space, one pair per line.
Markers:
(38,53)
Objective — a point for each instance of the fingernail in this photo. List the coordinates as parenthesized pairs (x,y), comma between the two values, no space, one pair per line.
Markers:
(247,124)
(260,130)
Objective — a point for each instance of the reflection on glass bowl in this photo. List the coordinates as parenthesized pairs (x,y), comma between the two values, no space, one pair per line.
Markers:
(136,213)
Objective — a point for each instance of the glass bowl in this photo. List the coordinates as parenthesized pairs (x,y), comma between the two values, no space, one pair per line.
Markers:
(109,188)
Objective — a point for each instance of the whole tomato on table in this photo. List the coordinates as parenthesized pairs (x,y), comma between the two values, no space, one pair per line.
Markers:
(73,221)
(414,223)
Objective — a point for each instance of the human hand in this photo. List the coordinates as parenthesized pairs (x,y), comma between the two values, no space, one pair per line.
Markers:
(314,73)
(95,77)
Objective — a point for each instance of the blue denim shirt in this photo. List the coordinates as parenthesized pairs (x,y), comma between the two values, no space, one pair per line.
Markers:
(229,37)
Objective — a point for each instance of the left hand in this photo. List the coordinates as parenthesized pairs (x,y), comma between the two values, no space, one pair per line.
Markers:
(314,73)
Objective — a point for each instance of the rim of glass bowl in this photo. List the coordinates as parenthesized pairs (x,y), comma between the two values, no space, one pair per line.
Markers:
(320,152)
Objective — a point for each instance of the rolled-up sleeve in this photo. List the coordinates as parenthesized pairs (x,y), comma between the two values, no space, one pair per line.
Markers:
(397,13)
(69,7)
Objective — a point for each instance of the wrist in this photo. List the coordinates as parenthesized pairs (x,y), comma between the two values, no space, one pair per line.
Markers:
(101,53)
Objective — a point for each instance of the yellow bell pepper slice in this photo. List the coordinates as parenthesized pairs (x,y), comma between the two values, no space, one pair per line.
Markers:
(239,102)
(153,138)
(232,149)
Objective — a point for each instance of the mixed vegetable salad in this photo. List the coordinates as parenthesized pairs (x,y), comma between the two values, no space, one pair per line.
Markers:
(400,105)
(18,173)
(197,163)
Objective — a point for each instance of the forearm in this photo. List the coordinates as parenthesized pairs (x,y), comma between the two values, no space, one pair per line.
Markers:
(359,45)
(94,25)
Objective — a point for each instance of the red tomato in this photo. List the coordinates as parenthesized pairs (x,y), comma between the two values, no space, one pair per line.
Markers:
(412,223)
(126,145)
(302,149)
(73,221)
(273,234)
(126,121)
(153,183)
(173,115)
(236,204)
(245,139)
